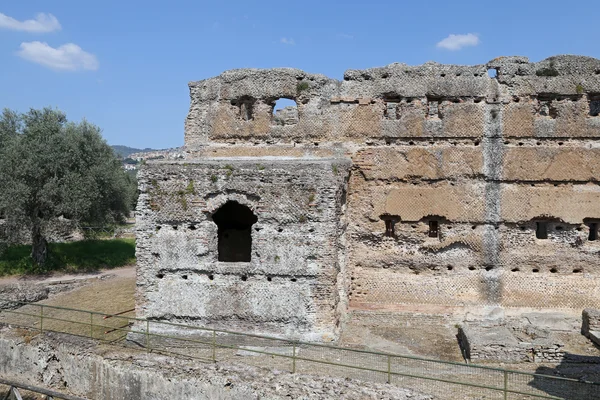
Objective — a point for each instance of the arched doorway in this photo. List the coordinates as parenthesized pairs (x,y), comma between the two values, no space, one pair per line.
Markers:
(234,221)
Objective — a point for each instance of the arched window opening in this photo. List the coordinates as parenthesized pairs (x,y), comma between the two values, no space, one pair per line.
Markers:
(234,222)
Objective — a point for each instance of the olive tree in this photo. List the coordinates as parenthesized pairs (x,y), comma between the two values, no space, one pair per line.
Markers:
(49,168)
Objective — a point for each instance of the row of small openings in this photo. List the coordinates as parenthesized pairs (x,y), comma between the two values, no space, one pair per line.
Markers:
(434,109)
(492,73)
(211,277)
(541,230)
(390,222)
(462,142)
(537,143)
(191,227)
(552,270)
(434,228)
(546,107)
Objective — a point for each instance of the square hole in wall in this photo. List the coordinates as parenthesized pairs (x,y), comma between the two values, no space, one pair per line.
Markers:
(541,230)
(284,112)
(245,105)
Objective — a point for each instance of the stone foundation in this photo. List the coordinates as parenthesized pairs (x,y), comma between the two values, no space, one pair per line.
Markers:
(500,343)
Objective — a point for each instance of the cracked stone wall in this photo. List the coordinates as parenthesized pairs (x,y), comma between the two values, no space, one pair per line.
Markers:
(464,189)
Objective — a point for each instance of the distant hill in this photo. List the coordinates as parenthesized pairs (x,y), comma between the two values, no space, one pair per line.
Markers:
(125,151)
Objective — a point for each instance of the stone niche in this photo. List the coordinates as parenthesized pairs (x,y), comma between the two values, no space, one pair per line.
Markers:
(250,245)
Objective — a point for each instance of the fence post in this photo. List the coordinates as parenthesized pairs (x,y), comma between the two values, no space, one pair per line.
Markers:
(91,325)
(41,319)
(214,346)
(147,335)
(505,384)
(389,369)
(294,358)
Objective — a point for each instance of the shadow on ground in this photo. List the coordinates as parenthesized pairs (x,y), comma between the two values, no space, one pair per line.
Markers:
(584,369)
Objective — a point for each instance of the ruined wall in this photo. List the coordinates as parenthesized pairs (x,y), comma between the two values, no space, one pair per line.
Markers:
(289,285)
(455,174)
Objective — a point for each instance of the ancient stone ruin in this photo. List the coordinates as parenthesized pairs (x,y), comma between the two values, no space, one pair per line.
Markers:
(432,184)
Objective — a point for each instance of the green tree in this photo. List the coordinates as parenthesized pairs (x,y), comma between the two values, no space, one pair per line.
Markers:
(50,167)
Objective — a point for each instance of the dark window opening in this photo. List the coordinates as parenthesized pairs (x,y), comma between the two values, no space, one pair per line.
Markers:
(390,222)
(541,231)
(284,112)
(595,107)
(434,228)
(234,222)
(593,231)
(389,228)
(246,107)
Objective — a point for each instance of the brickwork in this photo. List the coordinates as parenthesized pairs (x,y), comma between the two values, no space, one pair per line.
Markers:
(462,189)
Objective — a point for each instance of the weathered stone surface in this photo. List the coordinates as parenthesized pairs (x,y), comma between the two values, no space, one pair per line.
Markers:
(497,342)
(290,283)
(461,189)
(81,368)
(13,296)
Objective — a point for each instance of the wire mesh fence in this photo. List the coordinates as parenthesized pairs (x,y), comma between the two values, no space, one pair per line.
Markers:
(442,379)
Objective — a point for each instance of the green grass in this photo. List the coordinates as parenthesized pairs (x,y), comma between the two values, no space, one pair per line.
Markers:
(82,256)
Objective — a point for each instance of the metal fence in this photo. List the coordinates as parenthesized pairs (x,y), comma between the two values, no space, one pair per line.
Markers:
(443,379)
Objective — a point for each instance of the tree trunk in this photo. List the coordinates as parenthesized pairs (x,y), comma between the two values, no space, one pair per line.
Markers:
(39,246)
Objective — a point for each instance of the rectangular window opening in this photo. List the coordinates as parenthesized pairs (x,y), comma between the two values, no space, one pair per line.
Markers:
(593,231)
(434,229)
(284,112)
(541,231)
(595,106)
(389,228)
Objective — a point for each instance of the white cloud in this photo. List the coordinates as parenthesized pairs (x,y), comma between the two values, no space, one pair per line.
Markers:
(288,41)
(457,42)
(68,57)
(41,23)
(344,36)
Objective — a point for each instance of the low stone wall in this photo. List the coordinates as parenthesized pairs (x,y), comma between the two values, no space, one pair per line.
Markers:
(590,326)
(83,368)
(505,344)
(591,321)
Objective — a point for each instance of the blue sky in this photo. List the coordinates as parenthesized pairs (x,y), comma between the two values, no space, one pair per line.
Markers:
(125,65)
